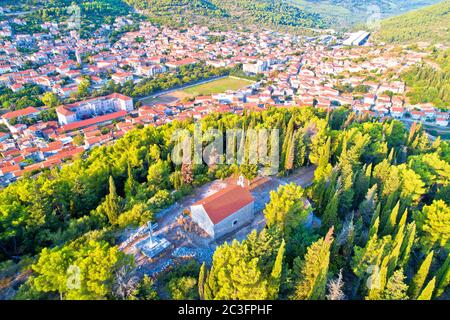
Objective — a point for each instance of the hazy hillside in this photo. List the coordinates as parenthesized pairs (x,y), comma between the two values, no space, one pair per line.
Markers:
(430,24)
(345,13)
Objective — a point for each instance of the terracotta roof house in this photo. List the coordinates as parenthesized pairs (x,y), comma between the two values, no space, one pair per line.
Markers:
(22,113)
(225,211)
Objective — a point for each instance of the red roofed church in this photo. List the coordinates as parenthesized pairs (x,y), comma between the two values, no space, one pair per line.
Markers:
(224,211)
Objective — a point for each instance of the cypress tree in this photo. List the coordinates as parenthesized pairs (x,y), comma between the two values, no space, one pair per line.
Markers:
(287,143)
(443,277)
(378,281)
(419,279)
(112,202)
(201,281)
(276,272)
(290,154)
(373,231)
(427,293)
(408,243)
(300,149)
(392,198)
(402,222)
(313,275)
(377,213)
(130,184)
(392,220)
(330,216)
(367,207)
(395,251)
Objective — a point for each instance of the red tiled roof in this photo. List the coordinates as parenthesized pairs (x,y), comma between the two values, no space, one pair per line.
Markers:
(225,202)
(182,62)
(20,113)
(65,112)
(66,154)
(96,120)
(12,168)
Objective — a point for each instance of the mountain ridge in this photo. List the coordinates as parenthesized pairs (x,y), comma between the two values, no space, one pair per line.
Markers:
(429,24)
(219,12)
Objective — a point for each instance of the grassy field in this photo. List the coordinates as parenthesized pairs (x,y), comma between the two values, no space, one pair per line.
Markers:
(217,86)
(209,88)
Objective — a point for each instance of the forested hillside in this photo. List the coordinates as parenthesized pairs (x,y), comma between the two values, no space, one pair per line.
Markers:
(430,81)
(226,13)
(93,14)
(382,194)
(429,24)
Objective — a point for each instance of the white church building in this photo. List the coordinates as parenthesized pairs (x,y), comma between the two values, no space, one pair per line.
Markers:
(225,211)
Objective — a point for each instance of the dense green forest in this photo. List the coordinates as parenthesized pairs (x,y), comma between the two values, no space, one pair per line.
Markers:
(430,81)
(92,14)
(382,194)
(28,96)
(226,13)
(429,24)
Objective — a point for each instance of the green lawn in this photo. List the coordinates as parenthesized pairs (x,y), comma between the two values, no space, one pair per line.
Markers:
(218,86)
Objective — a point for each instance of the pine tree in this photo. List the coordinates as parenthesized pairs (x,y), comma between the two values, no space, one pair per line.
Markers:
(396,288)
(433,223)
(427,293)
(242,270)
(286,208)
(313,275)
(419,279)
